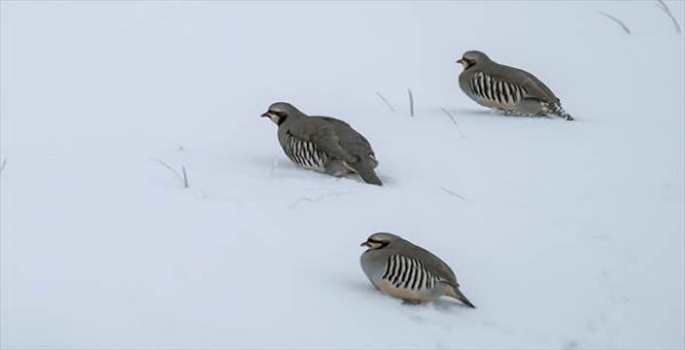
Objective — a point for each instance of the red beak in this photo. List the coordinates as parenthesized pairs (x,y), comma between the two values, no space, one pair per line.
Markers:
(365,244)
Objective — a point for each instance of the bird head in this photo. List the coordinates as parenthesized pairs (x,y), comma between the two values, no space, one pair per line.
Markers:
(280,111)
(380,240)
(471,58)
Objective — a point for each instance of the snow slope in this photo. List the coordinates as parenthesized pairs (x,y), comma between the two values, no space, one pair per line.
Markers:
(565,235)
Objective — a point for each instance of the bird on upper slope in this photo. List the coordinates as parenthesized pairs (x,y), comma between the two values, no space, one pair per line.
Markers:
(406,271)
(323,144)
(505,88)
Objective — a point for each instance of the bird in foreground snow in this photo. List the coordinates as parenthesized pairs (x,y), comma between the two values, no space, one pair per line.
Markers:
(406,271)
(323,144)
(505,88)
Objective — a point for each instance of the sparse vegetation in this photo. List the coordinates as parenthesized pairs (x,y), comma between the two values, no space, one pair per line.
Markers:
(452,193)
(182,176)
(663,7)
(386,101)
(411,102)
(617,21)
(454,121)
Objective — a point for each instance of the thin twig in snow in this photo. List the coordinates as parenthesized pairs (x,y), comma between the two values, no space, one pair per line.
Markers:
(2,165)
(662,5)
(455,194)
(618,21)
(185,177)
(411,102)
(169,167)
(453,121)
(320,197)
(386,101)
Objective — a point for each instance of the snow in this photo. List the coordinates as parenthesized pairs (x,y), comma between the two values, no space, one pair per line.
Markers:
(564,234)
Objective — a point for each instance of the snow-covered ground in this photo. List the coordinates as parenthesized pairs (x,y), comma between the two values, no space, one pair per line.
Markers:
(564,234)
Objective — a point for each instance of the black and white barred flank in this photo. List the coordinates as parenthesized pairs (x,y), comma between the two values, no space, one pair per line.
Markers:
(485,87)
(408,273)
(304,153)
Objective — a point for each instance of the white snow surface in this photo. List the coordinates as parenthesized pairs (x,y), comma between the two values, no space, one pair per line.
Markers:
(564,234)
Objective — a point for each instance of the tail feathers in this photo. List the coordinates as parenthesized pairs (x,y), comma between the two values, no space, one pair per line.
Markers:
(367,174)
(555,109)
(455,293)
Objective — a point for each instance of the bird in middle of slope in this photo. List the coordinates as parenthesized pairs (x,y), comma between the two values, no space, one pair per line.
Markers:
(323,144)
(505,88)
(406,271)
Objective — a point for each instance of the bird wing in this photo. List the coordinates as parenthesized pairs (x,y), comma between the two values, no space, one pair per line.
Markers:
(533,86)
(323,134)
(432,264)
(352,142)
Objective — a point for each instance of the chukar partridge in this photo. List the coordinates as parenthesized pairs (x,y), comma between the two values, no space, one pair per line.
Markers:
(403,270)
(323,144)
(505,88)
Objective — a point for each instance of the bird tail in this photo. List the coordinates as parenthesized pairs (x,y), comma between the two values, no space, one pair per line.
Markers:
(557,110)
(365,171)
(369,175)
(455,293)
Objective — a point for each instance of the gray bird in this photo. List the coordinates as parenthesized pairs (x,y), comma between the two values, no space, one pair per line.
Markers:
(323,144)
(505,88)
(406,271)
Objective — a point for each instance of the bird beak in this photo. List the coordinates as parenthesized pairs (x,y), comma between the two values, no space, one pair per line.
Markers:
(266,114)
(460,61)
(365,244)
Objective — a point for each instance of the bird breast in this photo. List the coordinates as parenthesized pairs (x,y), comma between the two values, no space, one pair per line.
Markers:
(404,278)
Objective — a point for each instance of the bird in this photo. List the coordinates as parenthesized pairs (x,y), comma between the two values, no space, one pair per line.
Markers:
(323,144)
(406,271)
(507,89)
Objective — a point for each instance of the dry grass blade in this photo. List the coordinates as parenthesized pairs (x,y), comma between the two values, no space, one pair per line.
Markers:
(617,21)
(454,121)
(181,177)
(162,163)
(454,194)
(185,177)
(411,102)
(386,101)
(663,7)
